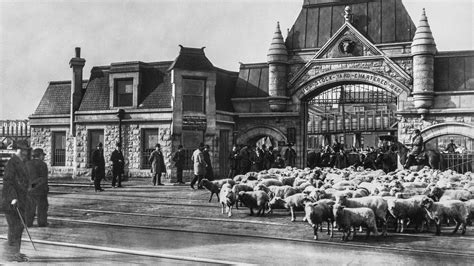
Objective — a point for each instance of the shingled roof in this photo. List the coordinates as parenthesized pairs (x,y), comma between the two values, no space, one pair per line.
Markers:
(192,59)
(57,99)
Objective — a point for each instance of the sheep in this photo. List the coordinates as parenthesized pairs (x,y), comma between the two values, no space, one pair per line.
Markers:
(287,180)
(261,187)
(236,189)
(318,212)
(221,182)
(438,194)
(254,200)
(470,208)
(271,182)
(212,187)
(361,192)
(292,202)
(449,209)
(347,218)
(376,203)
(282,192)
(239,178)
(227,198)
(406,209)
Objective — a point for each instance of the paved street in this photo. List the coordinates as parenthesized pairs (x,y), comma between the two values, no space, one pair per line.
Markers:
(175,225)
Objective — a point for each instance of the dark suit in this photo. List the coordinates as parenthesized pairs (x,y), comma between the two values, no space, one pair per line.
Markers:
(15,186)
(179,161)
(117,167)
(157,166)
(38,193)
(98,167)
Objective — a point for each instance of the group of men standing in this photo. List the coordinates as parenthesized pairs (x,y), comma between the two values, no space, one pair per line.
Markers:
(25,195)
(98,166)
(253,158)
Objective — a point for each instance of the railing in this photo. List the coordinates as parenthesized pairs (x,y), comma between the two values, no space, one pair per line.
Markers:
(372,120)
(459,162)
(59,157)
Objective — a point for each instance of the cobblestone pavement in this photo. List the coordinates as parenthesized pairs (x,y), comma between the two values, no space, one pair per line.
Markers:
(177,225)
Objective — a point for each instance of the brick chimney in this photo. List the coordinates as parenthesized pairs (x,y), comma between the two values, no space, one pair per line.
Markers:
(76,63)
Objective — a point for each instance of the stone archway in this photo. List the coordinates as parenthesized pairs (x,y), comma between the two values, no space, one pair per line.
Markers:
(452,128)
(261,131)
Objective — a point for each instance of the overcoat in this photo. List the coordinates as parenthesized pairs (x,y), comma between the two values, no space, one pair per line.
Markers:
(199,163)
(157,162)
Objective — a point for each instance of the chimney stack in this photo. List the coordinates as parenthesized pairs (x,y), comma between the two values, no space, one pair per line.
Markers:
(77,64)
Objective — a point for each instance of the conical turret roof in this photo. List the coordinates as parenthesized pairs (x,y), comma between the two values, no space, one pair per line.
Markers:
(277,51)
(423,41)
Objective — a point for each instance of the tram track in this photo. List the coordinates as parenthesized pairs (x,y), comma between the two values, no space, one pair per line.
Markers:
(366,246)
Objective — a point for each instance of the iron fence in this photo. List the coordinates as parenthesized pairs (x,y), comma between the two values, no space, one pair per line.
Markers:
(459,162)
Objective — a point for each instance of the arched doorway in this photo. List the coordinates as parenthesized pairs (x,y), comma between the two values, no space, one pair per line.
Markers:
(263,135)
(354,106)
(455,142)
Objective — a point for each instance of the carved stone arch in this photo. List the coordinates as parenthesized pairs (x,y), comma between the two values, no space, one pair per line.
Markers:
(443,129)
(331,79)
(261,131)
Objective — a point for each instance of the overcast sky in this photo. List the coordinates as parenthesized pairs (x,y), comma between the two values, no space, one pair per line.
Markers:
(37,38)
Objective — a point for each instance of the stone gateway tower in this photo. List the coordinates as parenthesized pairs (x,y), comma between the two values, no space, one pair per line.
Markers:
(348,71)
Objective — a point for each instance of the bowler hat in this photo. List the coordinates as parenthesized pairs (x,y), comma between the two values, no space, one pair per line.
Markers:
(100,144)
(38,152)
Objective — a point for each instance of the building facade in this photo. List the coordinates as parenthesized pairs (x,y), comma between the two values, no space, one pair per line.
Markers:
(346,69)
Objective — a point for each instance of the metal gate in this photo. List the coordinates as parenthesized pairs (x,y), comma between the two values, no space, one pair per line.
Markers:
(459,162)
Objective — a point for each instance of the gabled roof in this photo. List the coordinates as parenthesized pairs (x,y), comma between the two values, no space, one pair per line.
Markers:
(380,21)
(192,59)
(369,48)
(57,99)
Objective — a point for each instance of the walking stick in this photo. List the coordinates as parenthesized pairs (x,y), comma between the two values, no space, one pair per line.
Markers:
(26,228)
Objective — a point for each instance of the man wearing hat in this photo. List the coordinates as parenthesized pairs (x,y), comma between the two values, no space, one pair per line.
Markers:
(290,155)
(14,197)
(38,189)
(157,165)
(179,161)
(117,165)
(199,166)
(416,149)
(98,167)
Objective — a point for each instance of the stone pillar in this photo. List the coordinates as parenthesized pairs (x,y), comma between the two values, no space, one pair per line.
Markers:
(423,50)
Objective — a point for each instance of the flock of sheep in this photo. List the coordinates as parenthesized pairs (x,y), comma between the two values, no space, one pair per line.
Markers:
(353,198)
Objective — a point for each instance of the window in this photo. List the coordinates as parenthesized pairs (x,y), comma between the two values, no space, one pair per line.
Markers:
(190,140)
(59,149)
(359,108)
(96,136)
(123,92)
(193,95)
(149,140)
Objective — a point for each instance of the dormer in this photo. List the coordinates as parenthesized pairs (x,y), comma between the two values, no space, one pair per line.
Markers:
(124,84)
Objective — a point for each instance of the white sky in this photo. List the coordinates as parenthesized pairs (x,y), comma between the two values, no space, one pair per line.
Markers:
(37,38)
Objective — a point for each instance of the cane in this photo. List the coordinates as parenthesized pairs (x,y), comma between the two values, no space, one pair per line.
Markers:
(26,228)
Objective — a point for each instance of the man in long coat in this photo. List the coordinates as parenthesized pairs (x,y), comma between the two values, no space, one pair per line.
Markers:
(38,189)
(157,165)
(290,155)
(98,167)
(234,162)
(179,161)
(199,166)
(15,202)
(207,158)
(269,158)
(245,160)
(118,163)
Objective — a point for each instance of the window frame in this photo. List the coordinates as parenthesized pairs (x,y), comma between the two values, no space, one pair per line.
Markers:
(183,94)
(117,94)
(146,152)
(54,155)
